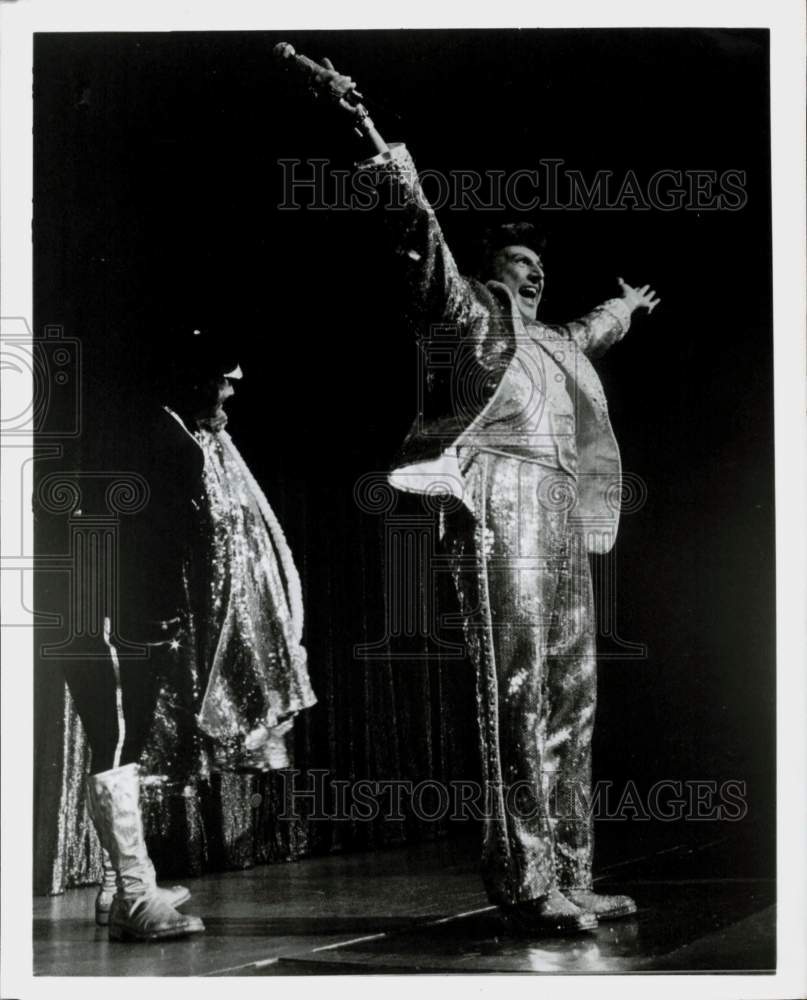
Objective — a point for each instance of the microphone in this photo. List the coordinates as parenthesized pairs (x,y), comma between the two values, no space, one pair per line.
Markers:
(314,71)
(350,100)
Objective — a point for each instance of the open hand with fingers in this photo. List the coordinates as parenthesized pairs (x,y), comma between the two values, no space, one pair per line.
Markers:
(638,298)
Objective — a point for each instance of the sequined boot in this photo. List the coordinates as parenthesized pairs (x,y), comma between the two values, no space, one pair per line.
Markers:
(603,907)
(139,911)
(174,895)
(549,914)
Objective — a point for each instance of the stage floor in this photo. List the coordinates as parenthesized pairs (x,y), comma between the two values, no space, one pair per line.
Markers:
(423,910)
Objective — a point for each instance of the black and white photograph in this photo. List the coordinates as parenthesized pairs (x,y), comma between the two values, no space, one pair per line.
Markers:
(397,520)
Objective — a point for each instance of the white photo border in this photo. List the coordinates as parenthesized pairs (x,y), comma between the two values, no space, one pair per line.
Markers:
(786,21)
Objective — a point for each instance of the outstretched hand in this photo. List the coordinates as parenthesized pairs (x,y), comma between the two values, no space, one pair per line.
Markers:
(638,298)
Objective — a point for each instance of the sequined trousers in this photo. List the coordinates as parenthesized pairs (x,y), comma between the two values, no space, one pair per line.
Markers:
(524,583)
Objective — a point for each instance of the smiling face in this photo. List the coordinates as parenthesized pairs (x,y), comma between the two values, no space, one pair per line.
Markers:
(522,271)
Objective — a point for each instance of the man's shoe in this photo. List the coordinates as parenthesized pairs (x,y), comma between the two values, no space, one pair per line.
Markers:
(174,895)
(148,917)
(549,914)
(139,911)
(603,907)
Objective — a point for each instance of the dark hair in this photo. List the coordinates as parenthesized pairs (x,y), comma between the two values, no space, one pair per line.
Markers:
(508,234)
(186,356)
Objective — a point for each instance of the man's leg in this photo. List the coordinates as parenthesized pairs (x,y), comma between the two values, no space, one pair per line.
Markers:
(116,701)
(572,693)
(507,577)
(94,691)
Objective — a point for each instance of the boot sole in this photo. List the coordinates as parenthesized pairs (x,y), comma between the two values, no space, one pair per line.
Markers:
(117,933)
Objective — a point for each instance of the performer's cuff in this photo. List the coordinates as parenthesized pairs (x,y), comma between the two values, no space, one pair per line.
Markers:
(396,156)
(621,312)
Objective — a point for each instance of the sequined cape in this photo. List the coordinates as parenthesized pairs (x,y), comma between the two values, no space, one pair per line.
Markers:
(258,678)
(469,332)
(234,696)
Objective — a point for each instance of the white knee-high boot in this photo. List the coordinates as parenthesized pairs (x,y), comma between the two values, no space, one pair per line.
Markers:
(139,910)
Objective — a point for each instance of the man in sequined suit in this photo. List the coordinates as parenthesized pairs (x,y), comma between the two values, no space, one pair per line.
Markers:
(514,424)
(517,429)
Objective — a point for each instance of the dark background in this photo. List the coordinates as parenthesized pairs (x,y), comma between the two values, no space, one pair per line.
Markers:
(156,193)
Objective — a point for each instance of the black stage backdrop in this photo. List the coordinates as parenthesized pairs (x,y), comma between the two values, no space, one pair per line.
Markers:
(157,187)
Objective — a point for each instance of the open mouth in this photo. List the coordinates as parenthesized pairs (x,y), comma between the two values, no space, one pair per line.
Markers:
(529,292)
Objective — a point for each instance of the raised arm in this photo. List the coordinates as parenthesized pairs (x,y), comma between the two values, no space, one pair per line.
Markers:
(436,293)
(600,329)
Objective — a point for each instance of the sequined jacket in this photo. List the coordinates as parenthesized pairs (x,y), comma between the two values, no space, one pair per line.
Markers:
(469,334)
